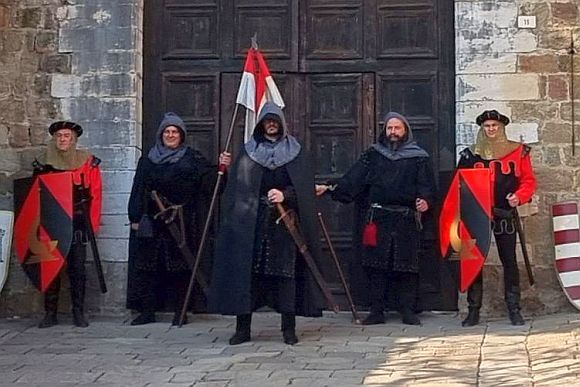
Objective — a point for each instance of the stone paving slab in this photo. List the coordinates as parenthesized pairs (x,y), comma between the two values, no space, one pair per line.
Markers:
(332,352)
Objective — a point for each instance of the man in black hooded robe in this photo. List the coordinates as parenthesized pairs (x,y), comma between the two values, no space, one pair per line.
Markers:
(256,260)
(395,178)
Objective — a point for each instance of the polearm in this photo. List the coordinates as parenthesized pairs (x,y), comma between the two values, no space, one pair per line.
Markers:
(182,245)
(91,233)
(339,270)
(220,175)
(520,231)
(291,225)
(572,52)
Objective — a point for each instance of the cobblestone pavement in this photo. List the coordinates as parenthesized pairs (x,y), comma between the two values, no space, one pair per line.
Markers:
(332,352)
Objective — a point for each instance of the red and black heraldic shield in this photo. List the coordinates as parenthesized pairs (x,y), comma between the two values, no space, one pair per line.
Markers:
(465,222)
(44,225)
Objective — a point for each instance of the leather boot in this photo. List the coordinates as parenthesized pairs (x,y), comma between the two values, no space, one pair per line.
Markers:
(472,318)
(51,305)
(289,328)
(474,299)
(243,324)
(374,318)
(409,317)
(512,298)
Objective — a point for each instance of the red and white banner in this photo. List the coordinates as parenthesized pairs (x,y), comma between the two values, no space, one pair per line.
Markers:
(256,88)
(567,248)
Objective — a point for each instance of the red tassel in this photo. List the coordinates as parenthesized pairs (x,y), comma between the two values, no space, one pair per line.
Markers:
(370,235)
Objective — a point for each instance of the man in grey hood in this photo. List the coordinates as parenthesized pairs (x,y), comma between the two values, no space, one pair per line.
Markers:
(256,261)
(395,180)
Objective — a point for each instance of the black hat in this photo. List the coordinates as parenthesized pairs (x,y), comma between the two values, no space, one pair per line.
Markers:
(52,129)
(491,115)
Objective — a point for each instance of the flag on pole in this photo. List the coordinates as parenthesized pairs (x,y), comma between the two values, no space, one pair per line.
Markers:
(256,88)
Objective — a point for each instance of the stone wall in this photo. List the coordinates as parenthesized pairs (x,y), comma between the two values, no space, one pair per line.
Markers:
(78,60)
(523,73)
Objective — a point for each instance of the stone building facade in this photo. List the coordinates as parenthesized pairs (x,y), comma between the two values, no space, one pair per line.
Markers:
(82,59)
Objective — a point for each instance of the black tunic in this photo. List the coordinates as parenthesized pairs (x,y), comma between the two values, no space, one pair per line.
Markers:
(242,277)
(187,183)
(393,185)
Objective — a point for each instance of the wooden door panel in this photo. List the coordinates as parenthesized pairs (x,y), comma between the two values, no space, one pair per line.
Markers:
(194,97)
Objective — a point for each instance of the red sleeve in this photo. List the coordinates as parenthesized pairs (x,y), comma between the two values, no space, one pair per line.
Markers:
(527,180)
(96,187)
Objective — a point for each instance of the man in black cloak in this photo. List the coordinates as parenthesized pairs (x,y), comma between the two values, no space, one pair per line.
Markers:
(256,260)
(395,178)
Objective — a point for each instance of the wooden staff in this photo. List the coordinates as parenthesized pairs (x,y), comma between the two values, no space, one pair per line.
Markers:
(572,52)
(221,173)
(339,269)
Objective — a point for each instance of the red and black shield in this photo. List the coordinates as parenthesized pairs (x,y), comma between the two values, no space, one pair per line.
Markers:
(465,222)
(44,227)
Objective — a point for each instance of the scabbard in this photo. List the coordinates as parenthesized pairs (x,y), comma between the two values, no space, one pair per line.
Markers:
(183,247)
(293,229)
(521,235)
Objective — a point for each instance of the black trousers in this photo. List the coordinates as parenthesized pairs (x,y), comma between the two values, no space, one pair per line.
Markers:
(506,247)
(151,282)
(402,283)
(75,268)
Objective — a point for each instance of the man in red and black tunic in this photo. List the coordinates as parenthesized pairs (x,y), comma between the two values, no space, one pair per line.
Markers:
(62,155)
(513,183)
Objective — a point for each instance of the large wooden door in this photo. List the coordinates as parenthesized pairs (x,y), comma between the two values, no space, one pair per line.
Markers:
(340,65)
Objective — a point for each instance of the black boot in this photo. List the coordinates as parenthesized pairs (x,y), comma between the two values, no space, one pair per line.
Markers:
(51,305)
(512,299)
(374,318)
(243,324)
(144,318)
(409,317)
(472,318)
(289,328)
(474,298)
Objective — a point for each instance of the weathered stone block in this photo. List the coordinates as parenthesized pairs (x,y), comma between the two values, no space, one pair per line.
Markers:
(545,63)
(19,136)
(570,160)
(553,179)
(12,110)
(551,156)
(3,135)
(534,111)
(113,226)
(566,112)
(120,157)
(116,204)
(564,12)
(65,85)
(522,132)
(45,41)
(558,87)
(113,250)
(5,184)
(10,160)
(29,17)
(111,133)
(4,16)
(41,84)
(117,181)
(114,62)
(498,87)
(12,41)
(556,133)
(56,63)
(109,85)
(38,133)
(554,39)
(474,63)
(27,157)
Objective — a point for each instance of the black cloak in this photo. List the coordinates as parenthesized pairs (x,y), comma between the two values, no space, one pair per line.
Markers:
(230,290)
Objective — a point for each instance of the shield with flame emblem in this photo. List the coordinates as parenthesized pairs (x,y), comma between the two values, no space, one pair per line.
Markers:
(465,222)
(44,225)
